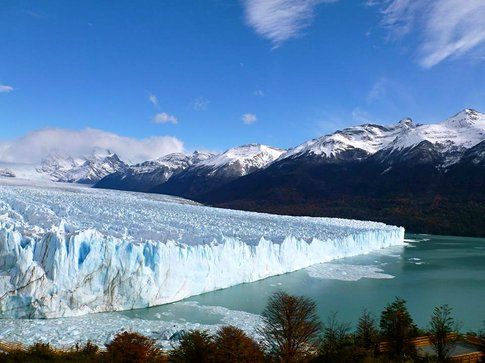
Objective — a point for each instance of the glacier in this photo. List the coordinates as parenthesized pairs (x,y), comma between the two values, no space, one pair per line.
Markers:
(67,250)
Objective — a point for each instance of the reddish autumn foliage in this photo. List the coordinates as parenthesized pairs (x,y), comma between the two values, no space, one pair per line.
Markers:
(133,348)
(233,345)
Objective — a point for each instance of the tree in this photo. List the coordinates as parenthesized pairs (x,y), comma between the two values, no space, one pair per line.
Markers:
(195,346)
(132,348)
(290,326)
(442,326)
(367,334)
(233,345)
(337,345)
(397,327)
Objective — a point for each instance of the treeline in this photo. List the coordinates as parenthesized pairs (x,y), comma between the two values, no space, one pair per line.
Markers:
(291,332)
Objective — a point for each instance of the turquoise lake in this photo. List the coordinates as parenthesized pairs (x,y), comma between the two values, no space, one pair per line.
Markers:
(426,272)
(429,271)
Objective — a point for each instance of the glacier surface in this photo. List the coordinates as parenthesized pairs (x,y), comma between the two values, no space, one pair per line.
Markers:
(68,251)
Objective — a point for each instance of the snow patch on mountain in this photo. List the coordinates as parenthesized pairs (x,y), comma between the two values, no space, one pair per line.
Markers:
(243,159)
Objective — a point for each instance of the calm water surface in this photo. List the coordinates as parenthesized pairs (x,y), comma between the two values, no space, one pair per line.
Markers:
(429,271)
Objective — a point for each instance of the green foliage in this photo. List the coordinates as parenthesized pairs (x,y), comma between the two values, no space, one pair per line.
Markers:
(397,327)
(195,346)
(290,327)
(337,345)
(442,325)
(367,334)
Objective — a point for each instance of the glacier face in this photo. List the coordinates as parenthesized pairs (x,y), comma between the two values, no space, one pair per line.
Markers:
(67,250)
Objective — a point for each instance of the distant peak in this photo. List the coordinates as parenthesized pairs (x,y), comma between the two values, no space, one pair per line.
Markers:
(465,118)
(407,122)
(467,112)
(470,111)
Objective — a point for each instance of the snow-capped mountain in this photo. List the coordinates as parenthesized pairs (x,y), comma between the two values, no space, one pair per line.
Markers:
(147,175)
(85,169)
(464,130)
(449,139)
(61,167)
(362,141)
(241,160)
(5,172)
(220,169)
(429,178)
(442,144)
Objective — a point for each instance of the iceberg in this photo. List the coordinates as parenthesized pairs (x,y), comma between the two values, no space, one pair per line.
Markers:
(67,250)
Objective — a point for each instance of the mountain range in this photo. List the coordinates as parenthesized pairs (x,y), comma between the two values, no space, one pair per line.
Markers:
(430,178)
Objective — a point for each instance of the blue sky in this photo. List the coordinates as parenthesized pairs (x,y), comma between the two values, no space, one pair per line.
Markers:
(213,74)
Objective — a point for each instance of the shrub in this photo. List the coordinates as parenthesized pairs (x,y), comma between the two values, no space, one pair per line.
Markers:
(233,345)
(42,351)
(290,326)
(195,346)
(132,348)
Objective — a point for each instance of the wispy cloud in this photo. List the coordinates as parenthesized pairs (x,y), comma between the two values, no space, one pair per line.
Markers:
(378,90)
(201,104)
(447,28)
(280,20)
(249,118)
(361,116)
(34,146)
(153,100)
(5,89)
(258,93)
(164,118)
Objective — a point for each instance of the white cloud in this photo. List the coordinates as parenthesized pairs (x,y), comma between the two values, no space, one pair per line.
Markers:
(258,93)
(34,146)
(447,28)
(153,100)
(5,89)
(164,118)
(249,118)
(201,104)
(280,20)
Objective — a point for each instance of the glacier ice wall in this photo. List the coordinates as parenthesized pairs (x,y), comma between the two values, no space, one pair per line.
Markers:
(67,251)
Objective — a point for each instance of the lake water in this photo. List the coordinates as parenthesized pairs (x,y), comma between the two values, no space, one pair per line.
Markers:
(428,271)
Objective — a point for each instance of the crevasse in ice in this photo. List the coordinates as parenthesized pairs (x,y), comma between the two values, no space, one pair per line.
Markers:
(66,250)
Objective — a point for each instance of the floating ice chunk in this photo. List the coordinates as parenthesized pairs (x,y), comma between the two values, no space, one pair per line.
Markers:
(346,272)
